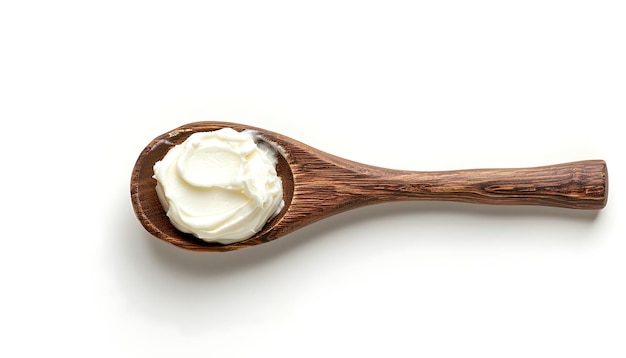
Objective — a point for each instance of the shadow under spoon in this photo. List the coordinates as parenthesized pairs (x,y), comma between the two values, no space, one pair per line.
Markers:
(317,185)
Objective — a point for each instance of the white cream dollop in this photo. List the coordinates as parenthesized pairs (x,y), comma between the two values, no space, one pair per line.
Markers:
(220,186)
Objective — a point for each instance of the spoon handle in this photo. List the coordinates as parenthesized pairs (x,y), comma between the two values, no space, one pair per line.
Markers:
(576,185)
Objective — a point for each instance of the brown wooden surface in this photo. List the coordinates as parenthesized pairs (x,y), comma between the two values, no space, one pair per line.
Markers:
(318,185)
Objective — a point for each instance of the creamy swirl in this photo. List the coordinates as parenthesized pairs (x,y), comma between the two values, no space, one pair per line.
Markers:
(220,186)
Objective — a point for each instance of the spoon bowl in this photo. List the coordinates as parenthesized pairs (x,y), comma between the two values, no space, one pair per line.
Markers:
(317,185)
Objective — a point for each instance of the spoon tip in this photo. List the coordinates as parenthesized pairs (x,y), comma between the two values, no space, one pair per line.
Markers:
(149,210)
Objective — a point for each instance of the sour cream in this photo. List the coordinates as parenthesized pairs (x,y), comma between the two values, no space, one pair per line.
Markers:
(220,186)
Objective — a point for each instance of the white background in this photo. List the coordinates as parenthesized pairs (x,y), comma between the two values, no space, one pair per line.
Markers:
(85,85)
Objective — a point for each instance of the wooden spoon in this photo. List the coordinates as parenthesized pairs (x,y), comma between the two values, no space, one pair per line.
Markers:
(317,185)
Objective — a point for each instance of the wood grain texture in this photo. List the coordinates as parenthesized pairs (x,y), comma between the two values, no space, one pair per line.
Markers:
(318,185)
